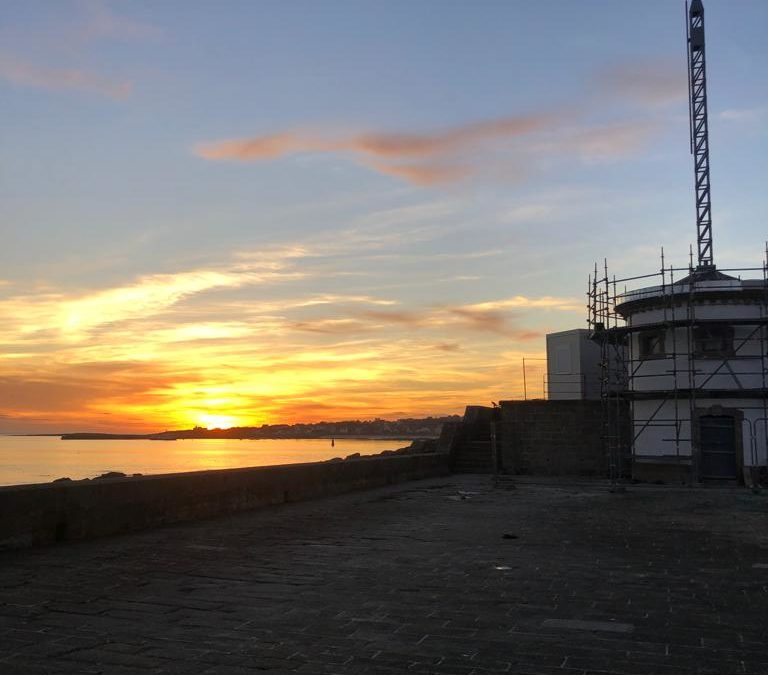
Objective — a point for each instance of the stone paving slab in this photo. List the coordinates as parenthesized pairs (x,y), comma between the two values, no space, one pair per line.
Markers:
(416,578)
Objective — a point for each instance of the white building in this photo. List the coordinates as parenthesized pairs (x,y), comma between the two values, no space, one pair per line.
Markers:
(683,363)
(573,365)
(695,370)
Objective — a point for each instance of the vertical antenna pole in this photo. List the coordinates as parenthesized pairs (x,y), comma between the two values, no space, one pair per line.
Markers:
(525,385)
(697,100)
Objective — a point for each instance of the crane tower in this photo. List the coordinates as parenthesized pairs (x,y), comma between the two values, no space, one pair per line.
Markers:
(699,130)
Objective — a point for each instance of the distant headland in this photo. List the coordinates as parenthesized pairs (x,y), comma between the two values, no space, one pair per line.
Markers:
(409,428)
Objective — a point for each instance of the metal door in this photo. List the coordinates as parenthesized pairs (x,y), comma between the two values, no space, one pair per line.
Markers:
(718,447)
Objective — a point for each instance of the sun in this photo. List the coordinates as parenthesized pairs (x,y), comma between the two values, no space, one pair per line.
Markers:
(217,421)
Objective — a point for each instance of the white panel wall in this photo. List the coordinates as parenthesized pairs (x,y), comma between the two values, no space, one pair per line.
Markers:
(573,365)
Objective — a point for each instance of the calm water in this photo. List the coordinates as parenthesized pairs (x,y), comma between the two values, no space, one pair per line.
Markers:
(41,459)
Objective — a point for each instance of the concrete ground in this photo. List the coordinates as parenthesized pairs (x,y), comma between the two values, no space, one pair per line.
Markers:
(446,576)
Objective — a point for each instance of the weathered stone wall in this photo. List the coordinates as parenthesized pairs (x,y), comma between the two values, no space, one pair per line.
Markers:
(43,514)
(476,422)
(450,438)
(557,438)
(462,440)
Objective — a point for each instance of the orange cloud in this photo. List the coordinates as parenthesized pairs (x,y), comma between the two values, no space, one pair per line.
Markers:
(421,159)
(399,317)
(331,326)
(456,153)
(491,322)
(387,145)
(264,147)
(29,75)
(452,155)
(423,174)
(486,317)
(421,145)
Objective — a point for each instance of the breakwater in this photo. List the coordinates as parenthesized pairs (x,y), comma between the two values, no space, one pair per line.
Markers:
(72,510)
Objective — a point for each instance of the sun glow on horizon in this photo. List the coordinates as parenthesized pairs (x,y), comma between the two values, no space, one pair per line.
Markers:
(210,421)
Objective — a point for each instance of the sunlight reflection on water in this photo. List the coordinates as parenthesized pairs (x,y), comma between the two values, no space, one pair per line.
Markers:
(41,459)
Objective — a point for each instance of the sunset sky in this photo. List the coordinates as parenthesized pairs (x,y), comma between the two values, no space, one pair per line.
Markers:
(247,212)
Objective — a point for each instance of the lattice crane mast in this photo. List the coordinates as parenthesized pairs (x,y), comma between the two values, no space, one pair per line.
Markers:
(699,129)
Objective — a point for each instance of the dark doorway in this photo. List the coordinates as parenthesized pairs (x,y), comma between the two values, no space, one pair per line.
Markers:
(718,447)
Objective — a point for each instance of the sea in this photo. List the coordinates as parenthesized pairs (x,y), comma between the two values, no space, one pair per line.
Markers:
(41,459)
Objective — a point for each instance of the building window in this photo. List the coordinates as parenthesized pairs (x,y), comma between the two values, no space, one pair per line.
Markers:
(652,344)
(714,341)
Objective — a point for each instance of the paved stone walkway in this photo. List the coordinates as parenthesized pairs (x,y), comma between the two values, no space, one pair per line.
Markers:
(445,576)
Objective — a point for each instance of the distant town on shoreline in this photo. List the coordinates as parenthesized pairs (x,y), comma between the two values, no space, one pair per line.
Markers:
(427,427)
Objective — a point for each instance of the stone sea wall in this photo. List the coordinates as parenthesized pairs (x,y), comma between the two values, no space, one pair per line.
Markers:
(70,510)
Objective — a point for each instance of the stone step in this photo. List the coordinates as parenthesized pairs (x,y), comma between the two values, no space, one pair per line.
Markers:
(476,447)
(459,464)
(472,467)
(475,455)
(484,470)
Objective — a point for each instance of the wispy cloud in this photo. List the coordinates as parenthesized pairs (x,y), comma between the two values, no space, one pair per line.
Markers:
(448,346)
(378,145)
(520,301)
(26,74)
(99,21)
(508,147)
(406,318)
(469,135)
(419,158)
(148,296)
(424,174)
(651,83)
(331,326)
(599,143)
(484,321)
(743,114)
(23,63)
(48,315)
(491,316)
(168,349)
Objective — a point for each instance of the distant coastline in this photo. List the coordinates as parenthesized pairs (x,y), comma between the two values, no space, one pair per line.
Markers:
(181,435)
(403,429)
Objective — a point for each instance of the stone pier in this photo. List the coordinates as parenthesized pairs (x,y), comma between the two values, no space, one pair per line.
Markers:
(446,575)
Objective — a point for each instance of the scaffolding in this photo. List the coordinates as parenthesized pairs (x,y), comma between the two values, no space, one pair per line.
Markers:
(634,405)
